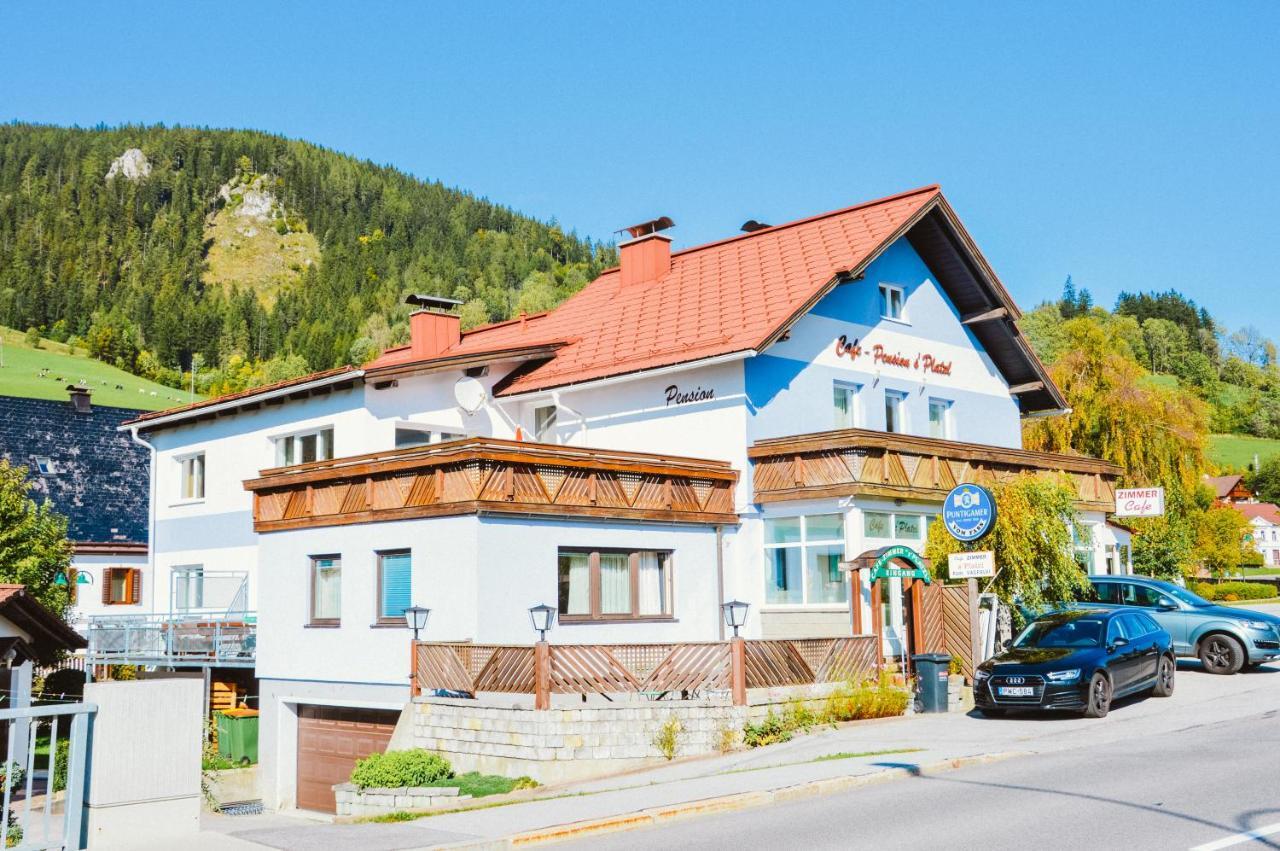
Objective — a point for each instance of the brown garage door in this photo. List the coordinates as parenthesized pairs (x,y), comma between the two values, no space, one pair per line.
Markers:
(330,740)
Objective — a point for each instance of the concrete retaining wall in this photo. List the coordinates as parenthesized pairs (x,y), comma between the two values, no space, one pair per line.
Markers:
(353,801)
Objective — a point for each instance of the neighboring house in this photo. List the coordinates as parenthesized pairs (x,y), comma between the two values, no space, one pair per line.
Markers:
(727,421)
(81,463)
(1229,490)
(1264,523)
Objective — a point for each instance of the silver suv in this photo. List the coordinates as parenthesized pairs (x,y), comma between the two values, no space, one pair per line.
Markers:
(1224,638)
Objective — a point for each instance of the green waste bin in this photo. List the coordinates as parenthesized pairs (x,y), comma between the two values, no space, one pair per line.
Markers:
(933,672)
(238,735)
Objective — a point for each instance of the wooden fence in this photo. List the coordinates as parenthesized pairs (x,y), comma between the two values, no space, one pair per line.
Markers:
(656,670)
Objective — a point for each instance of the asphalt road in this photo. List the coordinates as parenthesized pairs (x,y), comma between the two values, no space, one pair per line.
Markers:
(1203,784)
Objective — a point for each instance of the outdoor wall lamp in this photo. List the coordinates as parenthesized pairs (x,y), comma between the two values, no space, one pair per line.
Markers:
(415,617)
(735,614)
(543,617)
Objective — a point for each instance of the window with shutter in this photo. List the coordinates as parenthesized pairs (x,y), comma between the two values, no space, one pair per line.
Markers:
(121,586)
(395,585)
(106,585)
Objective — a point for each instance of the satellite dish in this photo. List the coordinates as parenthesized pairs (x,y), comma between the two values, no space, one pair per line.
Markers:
(470,394)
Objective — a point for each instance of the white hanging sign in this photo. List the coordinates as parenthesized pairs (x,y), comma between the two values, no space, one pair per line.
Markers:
(971,565)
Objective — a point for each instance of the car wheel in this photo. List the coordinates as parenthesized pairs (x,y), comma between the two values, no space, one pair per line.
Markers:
(1164,677)
(1098,701)
(1221,654)
(991,711)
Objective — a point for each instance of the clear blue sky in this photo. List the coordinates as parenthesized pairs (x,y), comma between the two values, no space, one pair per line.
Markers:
(1133,145)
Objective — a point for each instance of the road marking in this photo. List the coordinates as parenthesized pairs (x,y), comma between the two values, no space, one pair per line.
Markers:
(1239,838)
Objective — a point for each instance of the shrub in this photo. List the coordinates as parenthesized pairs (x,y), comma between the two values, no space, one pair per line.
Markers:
(60,760)
(667,739)
(882,698)
(1229,592)
(401,768)
(769,730)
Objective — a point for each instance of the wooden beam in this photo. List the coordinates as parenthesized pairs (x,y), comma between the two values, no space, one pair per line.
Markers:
(988,316)
(1029,387)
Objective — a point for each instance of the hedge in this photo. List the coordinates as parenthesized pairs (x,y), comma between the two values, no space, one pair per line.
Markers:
(394,769)
(1230,591)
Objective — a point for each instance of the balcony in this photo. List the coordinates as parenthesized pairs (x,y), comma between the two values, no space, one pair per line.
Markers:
(173,640)
(491,476)
(856,461)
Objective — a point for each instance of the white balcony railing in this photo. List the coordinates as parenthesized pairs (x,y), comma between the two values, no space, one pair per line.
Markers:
(174,640)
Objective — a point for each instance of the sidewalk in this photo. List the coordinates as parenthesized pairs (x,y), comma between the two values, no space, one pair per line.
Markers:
(925,743)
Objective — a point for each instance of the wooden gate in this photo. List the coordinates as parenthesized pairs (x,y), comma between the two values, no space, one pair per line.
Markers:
(944,623)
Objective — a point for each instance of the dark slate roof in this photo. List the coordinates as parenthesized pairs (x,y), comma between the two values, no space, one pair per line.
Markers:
(101,479)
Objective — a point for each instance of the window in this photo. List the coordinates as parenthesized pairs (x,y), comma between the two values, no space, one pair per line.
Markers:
(1084,549)
(121,586)
(544,421)
(614,584)
(188,587)
(891,301)
(898,527)
(802,560)
(407,436)
(845,399)
(1132,594)
(46,465)
(304,447)
(1115,629)
(395,586)
(326,590)
(940,418)
(895,411)
(192,485)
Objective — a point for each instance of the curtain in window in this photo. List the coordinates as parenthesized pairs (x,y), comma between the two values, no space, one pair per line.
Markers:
(328,589)
(397,584)
(652,582)
(615,584)
(575,584)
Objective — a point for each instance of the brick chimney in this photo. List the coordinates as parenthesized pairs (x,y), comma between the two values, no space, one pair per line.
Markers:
(80,398)
(434,328)
(647,256)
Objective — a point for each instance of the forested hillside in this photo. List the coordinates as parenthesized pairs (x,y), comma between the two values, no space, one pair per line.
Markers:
(143,268)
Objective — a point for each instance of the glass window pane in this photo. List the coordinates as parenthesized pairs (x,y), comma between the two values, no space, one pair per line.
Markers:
(876,525)
(824,527)
(783,530)
(782,581)
(397,584)
(652,583)
(843,405)
(326,444)
(308,442)
(544,420)
(892,412)
(826,582)
(406,437)
(575,583)
(615,584)
(327,601)
(906,527)
(884,301)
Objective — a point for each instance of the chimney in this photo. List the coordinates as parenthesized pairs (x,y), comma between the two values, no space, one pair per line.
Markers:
(434,328)
(647,255)
(80,398)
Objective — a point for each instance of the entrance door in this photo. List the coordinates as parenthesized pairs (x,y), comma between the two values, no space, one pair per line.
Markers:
(330,740)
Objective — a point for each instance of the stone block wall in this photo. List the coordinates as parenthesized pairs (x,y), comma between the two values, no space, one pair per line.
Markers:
(353,801)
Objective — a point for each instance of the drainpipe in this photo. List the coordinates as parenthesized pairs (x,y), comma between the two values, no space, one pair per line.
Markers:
(720,578)
(151,512)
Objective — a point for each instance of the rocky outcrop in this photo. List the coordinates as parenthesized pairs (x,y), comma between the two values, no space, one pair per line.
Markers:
(131,165)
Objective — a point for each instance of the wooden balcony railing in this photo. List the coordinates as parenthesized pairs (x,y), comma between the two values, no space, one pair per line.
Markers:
(655,670)
(486,475)
(860,462)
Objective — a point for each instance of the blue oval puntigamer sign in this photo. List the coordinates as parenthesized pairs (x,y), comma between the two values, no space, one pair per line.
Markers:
(969,512)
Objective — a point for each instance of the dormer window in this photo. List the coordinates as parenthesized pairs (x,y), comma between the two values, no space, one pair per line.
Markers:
(892,300)
(46,465)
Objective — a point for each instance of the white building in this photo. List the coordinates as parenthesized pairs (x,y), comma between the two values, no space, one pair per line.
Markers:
(1264,523)
(727,421)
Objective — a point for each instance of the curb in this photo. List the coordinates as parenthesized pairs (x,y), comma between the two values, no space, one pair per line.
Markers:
(723,804)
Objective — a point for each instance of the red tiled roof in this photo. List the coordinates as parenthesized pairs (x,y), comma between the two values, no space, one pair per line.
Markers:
(1266,510)
(1223,485)
(720,298)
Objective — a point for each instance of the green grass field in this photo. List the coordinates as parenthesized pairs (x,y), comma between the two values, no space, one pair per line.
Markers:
(1237,450)
(20,376)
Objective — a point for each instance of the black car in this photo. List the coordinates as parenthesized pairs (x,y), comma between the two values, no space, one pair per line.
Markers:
(1078,660)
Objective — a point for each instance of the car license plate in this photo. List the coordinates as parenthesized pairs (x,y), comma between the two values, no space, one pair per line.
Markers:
(1017,691)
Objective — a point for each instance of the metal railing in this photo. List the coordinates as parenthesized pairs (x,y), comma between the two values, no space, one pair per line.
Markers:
(173,640)
(32,818)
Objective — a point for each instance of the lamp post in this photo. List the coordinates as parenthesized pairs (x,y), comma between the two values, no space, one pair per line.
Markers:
(542,617)
(415,617)
(735,614)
